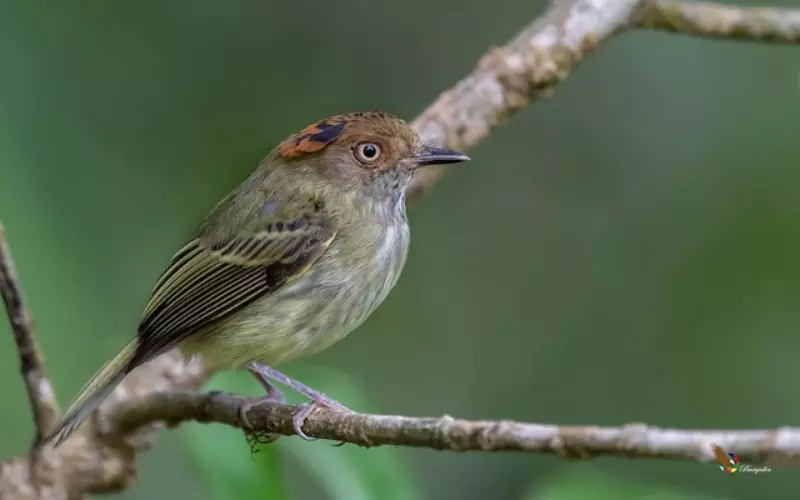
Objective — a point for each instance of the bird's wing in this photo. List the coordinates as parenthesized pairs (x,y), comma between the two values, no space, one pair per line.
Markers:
(213,277)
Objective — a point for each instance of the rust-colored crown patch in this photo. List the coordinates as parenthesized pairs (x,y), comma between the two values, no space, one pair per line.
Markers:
(313,138)
(322,133)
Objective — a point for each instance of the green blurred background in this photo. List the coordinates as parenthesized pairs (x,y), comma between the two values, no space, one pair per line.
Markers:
(626,251)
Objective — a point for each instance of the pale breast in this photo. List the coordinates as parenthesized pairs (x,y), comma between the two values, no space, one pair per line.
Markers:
(355,295)
(349,281)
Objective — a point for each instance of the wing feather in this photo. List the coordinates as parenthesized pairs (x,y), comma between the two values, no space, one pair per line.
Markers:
(207,281)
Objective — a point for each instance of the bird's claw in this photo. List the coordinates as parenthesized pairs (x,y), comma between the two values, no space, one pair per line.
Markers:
(263,373)
(249,404)
(305,410)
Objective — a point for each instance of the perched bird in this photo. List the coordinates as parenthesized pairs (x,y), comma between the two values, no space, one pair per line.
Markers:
(290,262)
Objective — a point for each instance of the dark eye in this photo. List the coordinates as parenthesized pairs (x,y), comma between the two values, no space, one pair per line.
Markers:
(368,152)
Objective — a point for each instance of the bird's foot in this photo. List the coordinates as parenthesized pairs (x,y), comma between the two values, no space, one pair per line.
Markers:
(318,400)
(305,409)
(254,436)
(249,404)
(274,395)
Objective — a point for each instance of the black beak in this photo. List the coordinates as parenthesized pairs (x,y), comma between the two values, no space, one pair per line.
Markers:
(432,155)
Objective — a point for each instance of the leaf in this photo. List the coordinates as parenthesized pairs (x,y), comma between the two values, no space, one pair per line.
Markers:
(224,458)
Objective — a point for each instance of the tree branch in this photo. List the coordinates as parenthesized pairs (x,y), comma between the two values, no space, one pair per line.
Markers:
(40,391)
(41,462)
(100,458)
(721,21)
(544,53)
(509,78)
(447,433)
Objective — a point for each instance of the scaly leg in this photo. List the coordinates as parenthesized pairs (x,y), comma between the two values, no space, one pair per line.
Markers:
(274,395)
(263,373)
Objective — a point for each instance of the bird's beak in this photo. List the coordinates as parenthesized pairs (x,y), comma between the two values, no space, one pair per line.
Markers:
(432,155)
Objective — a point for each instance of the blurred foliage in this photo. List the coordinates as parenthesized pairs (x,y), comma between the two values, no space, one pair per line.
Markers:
(599,261)
(588,484)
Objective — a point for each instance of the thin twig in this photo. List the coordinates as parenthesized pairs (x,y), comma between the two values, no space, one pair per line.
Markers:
(729,22)
(40,391)
(447,433)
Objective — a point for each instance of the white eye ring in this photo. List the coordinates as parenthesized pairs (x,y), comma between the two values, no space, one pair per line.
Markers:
(368,152)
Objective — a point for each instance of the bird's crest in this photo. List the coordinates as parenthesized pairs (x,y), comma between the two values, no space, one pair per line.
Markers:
(318,135)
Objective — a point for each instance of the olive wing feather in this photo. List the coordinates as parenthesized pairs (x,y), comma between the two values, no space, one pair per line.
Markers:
(210,279)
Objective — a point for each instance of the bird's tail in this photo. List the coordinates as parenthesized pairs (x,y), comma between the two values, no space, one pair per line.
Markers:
(93,393)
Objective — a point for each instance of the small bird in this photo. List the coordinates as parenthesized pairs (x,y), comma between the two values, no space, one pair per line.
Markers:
(286,265)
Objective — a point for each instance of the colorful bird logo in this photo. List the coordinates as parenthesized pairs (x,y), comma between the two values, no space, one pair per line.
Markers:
(728,462)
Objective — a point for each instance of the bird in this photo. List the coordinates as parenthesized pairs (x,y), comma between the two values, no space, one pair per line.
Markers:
(290,262)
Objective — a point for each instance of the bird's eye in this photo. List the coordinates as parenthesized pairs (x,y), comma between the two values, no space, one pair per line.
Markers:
(368,152)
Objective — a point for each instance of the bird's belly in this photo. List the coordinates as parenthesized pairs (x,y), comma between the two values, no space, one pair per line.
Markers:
(307,316)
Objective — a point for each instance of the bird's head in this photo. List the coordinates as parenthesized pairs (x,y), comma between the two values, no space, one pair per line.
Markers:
(371,154)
